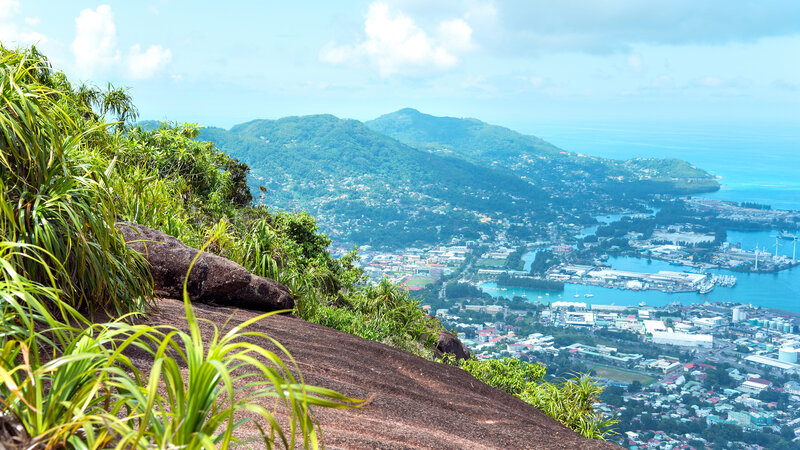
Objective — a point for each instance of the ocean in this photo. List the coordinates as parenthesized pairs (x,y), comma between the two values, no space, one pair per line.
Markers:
(754,162)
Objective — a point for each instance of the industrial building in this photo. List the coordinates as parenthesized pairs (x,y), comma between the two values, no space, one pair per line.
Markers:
(683,339)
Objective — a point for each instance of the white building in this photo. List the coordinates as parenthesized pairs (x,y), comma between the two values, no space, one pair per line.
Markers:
(739,315)
(683,339)
(652,326)
(579,318)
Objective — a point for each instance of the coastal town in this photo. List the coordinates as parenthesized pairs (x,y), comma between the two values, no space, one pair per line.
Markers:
(678,376)
(691,368)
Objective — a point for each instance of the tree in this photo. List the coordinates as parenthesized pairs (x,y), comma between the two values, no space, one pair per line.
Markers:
(635,386)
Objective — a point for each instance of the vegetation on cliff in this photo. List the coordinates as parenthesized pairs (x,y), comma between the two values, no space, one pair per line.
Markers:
(571,402)
(67,177)
(66,380)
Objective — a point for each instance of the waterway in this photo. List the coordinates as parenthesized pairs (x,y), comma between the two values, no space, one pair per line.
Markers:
(754,162)
(775,290)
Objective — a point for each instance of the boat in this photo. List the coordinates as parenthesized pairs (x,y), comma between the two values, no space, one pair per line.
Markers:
(706,288)
(788,236)
(589,295)
(577,295)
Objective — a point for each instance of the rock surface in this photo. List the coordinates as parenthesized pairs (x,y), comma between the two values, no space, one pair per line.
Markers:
(416,403)
(449,343)
(213,279)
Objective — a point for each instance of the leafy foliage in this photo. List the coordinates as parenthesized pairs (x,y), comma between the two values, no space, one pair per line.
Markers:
(67,178)
(571,402)
(66,382)
(54,192)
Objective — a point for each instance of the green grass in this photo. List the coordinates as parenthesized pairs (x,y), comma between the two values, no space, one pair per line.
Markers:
(418,281)
(486,262)
(621,375)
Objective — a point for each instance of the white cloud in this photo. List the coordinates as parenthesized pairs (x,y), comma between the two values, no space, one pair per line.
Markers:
(96,52)
(711,82)
(142,65)
(8,9)
(538,82)
(32,21)
(635,62)
(95,41)
(10,32)
(608,26)
(395,44)
(456,35)
(663,82)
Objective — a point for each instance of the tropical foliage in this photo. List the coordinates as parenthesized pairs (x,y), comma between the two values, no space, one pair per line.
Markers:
(68,177)
(65,379)
(571,402)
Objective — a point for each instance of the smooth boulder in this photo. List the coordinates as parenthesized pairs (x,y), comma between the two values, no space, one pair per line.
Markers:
(213,279)
(447,342)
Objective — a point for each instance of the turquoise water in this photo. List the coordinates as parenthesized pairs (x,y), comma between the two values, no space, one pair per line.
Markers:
(758,163)
(778,290)
(755,163)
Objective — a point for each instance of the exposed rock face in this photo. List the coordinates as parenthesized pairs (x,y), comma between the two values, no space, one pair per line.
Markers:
(416,403)
(448,343)
(213,279)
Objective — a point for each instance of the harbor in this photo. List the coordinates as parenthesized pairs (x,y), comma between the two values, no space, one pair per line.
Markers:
(662,280)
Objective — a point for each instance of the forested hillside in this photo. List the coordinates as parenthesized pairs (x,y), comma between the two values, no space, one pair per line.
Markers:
(369,187)
(409,178)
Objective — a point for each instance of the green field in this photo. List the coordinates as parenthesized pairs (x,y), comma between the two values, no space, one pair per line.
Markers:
(484,262)
(623,376)
(418,281)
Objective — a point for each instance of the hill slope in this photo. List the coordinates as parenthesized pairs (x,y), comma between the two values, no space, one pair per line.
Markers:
(538,160)
(368,188)
(416,404)
(448,177)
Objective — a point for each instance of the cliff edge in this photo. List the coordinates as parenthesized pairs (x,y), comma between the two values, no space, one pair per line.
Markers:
(416,403)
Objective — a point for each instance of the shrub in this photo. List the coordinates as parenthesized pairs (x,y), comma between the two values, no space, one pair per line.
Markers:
(571,402)
(54,197)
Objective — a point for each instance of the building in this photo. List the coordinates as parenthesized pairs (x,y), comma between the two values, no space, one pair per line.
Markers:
(739,315)
(652,326)
(787,354)
(741,418)
(754,386)
(772,363)
(683,339)
(664,365)
(708,322)
(579,318)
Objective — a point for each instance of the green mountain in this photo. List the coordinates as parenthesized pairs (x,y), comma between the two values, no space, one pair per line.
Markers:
(366,187)
(408,177)
(540,162)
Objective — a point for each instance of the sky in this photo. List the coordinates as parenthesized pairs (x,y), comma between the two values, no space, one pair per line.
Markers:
(513,63)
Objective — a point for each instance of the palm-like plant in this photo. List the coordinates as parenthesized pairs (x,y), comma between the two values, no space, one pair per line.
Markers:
(54,196)
(118,102)
(88,394)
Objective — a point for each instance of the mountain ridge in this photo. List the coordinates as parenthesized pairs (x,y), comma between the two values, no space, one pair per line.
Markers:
(408,177)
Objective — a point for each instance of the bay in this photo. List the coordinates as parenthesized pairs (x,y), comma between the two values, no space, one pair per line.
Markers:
(754,162)
(775,290)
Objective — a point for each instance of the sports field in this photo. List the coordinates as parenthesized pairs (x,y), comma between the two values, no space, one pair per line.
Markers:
(623,376)
(484,262)
(418,281)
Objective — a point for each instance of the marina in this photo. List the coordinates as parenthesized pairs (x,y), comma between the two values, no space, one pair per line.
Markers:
(771,290)
(663,280)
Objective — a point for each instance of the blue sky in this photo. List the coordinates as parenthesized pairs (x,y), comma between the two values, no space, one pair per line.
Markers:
(515,63)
